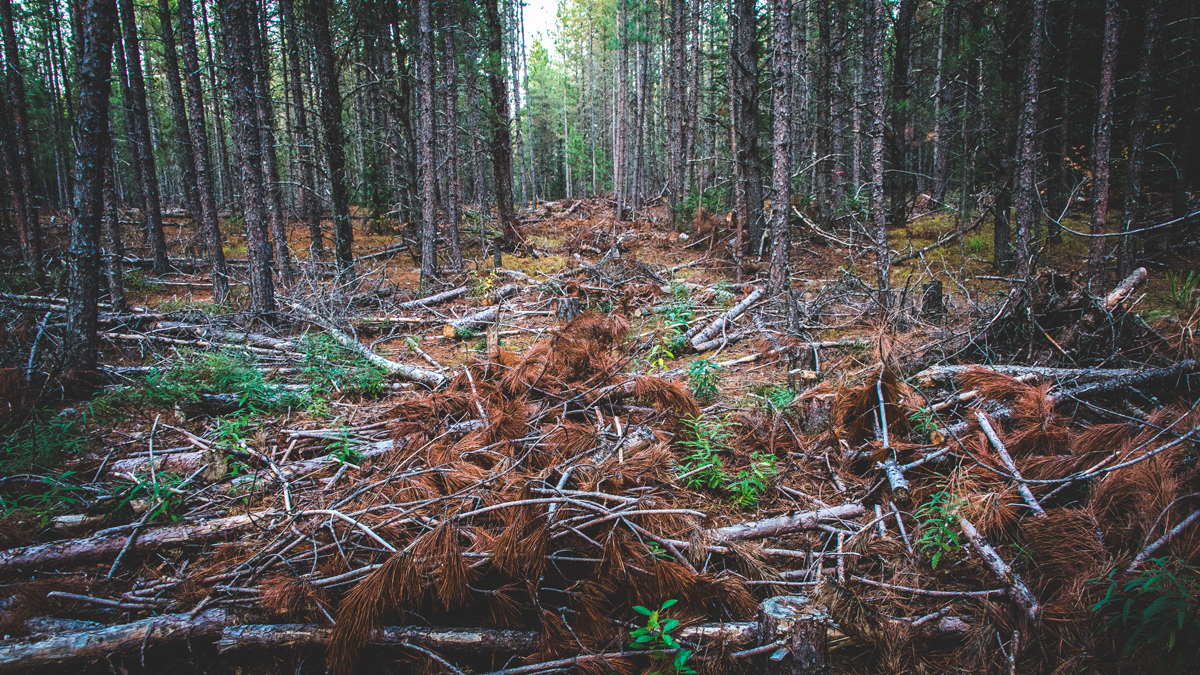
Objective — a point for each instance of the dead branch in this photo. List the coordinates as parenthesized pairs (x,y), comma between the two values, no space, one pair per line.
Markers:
(773,527)
(1022,488)
(427,377)
(433,299)
(300,636)
(734,312)
(472,322)
(1017,590)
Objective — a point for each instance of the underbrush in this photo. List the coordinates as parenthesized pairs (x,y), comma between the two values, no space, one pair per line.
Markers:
(706,440)
(31,453)
(325,369)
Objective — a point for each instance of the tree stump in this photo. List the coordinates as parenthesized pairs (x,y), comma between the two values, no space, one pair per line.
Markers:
(798,624)
(933,303)
(566,309)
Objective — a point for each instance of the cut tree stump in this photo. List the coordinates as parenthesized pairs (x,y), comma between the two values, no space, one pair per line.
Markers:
(566,309)
(797,625)
(933,303)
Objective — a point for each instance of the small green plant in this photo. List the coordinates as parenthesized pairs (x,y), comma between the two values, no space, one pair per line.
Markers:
(705,440)
(976,246)
(713,199)
(1161,604)
(344,450)
(664,349)
(481,284)
(659,552)
(329,367)
(160,492)
(749,485)
(938,517)
(655,637)
(704,376)
(923,420)
(776,397)
(1183,291)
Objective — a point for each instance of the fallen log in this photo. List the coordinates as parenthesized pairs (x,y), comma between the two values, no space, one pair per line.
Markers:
(433,299)
(734,312)
(719,341)
(60,554)
(429,378)
(1123,289)
(773,527)
(306,636)
(1007,459)
(468,325)
(90,645)
(940,375)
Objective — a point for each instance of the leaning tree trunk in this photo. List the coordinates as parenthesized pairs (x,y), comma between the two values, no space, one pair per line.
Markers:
(238,19)
(428,171)
(1027,186)
(200,157)
(335,151)
(98,23)
(1139,129)
(141,126)
(781,170)
(1101,162)
(19,156)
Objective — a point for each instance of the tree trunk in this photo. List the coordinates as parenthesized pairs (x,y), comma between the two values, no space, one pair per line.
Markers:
(335,150)
(98,24)
(310,212)
(19,156)
(141,124)
(744,57)
(1127,247)
(1101,150)
(1062,186)
(944,101)
(266,130)
(900,179)
(878,34)
(675,131)
(781,175)
(200,156)
(501,140)
(428,177)
(238,20)
(114,250)
(183,134)
(454,182)
(1027,187)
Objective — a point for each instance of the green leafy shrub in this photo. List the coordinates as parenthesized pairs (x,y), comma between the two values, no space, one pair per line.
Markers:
(329,367)
(1157,608)
(712,199)
(704,376)
(749,485)
(655,637)
(161,492)
(705,440)
(938,517)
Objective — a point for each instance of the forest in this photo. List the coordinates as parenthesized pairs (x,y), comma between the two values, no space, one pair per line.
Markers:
(682,337)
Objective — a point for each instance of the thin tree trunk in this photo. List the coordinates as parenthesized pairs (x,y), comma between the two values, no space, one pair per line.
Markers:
(1127,246)
(310,212)
(19,161)
(944,100)
(335,150)
(900,180)
(114,250)
(878,34)
(745,59)
(222,166)
(428,200)
(238,20)
(675,131)
(781,199)
(183,134)
(1102,148)
(1063,170)
(454,183)
(200,156)
(99,24)
(501,140)
(141,123)
(266,129)
(1027,187)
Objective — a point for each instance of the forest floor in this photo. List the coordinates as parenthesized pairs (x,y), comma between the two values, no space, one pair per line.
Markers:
(502,481)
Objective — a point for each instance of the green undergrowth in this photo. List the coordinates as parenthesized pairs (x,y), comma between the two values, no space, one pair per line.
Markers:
(31,453)
(325,370)
(706,440)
